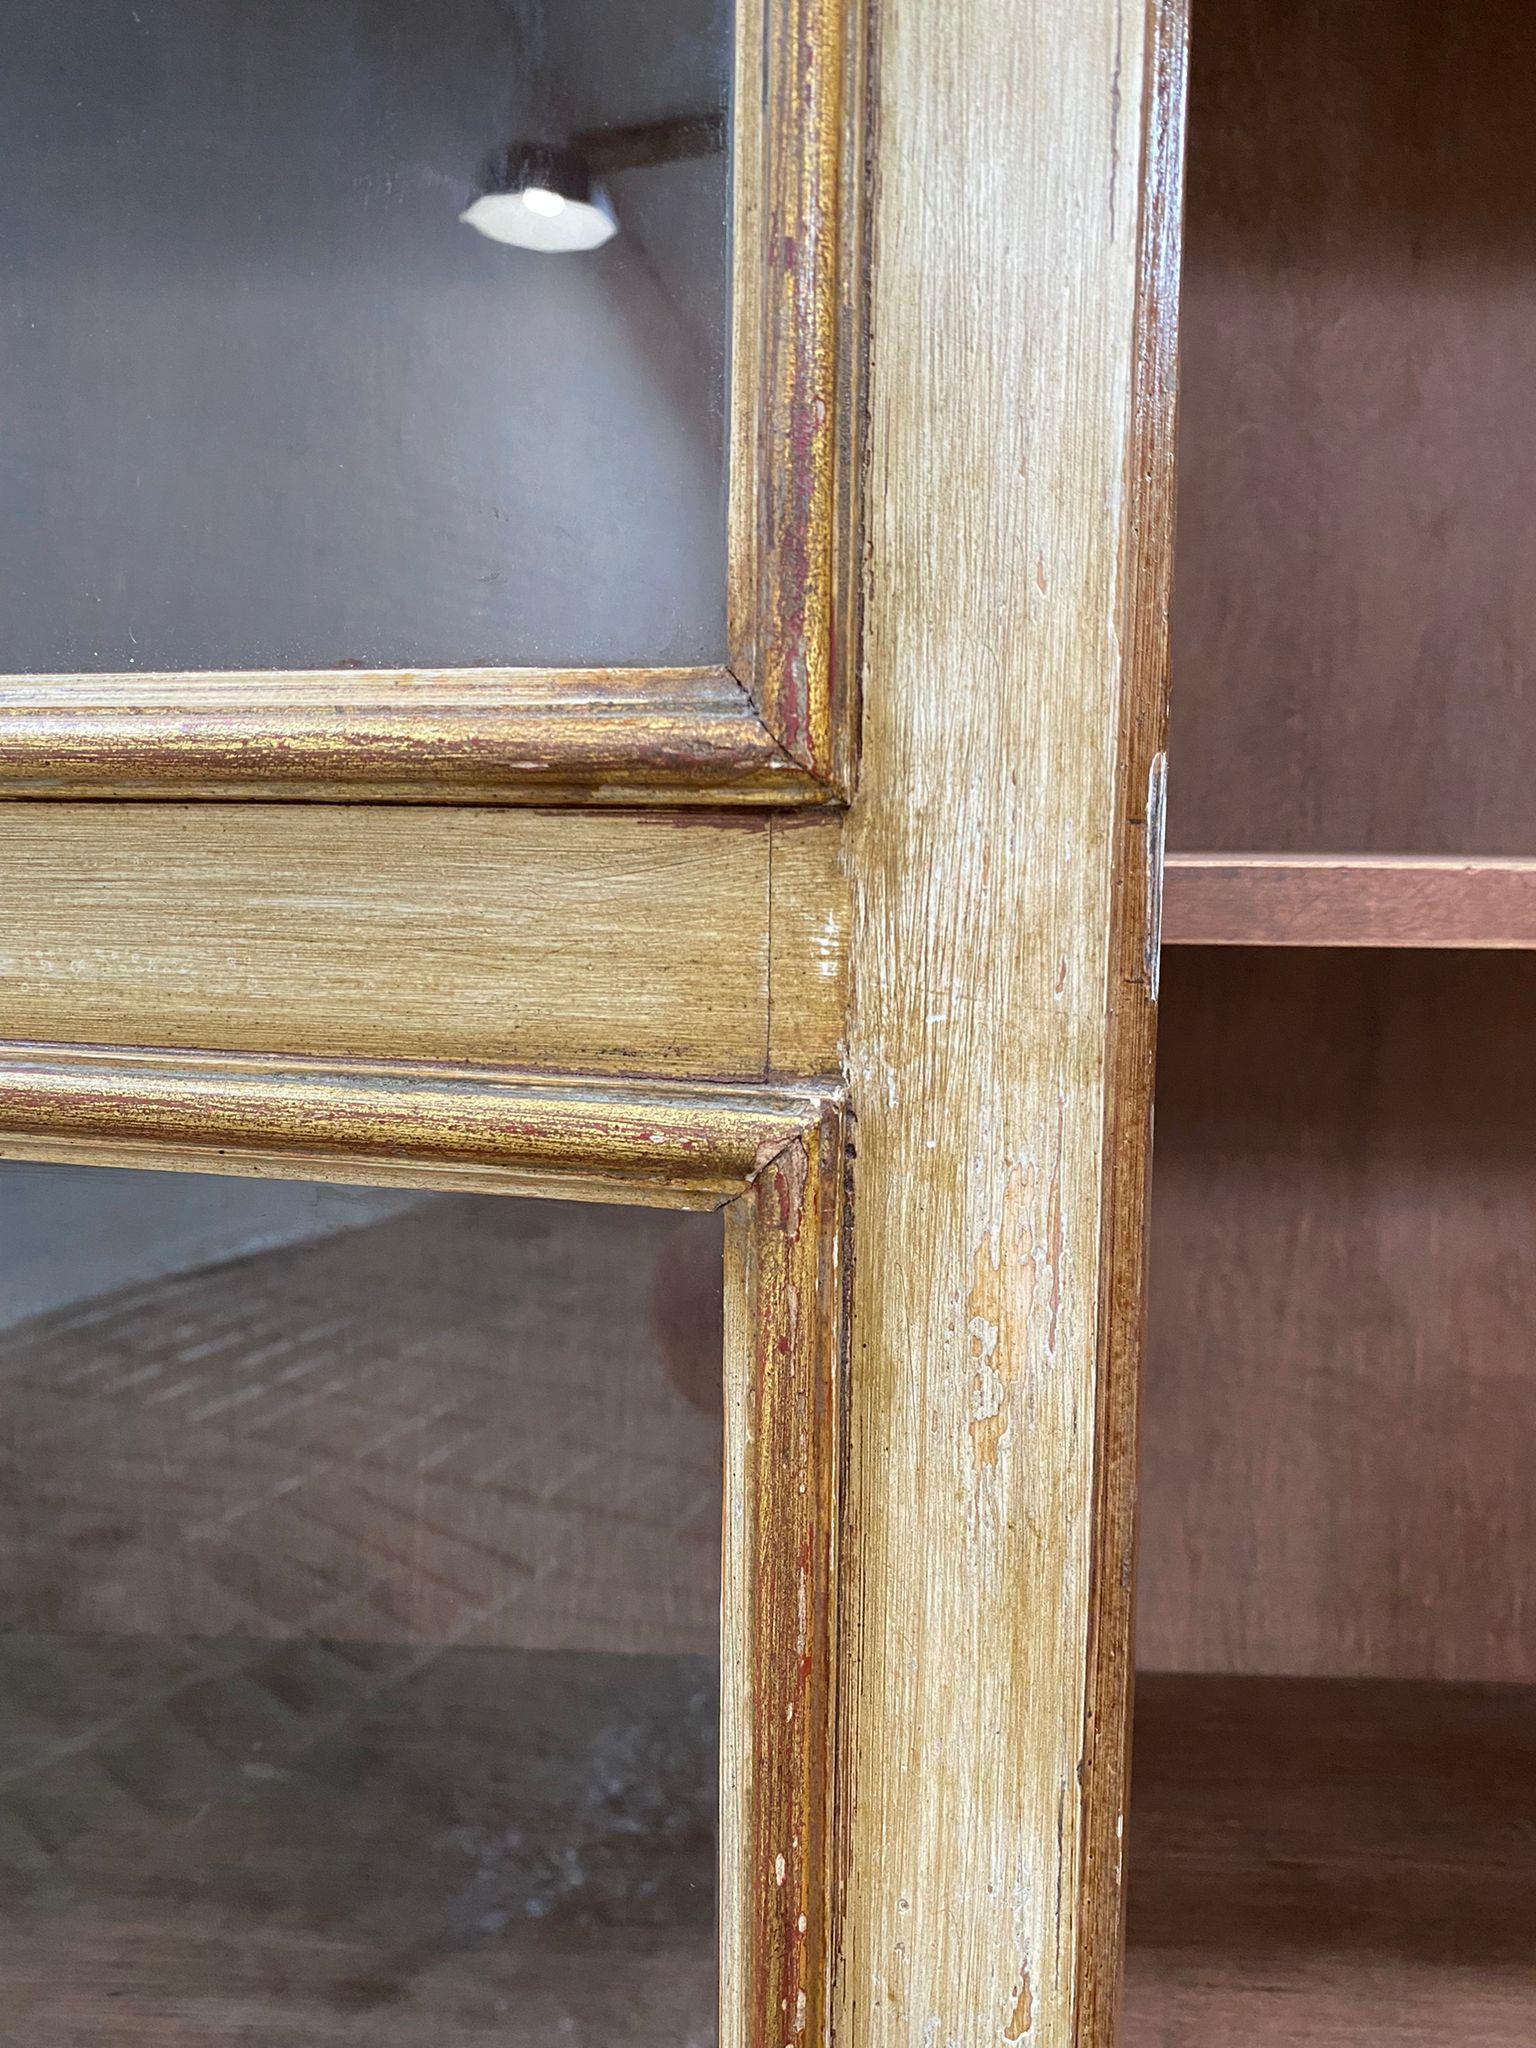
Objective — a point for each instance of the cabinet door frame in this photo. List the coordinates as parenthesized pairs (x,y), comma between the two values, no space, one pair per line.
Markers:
(934,1242)
(775,1160)
(772,725)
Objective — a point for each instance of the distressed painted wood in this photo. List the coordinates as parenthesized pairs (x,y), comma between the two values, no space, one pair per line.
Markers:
(807,944)
(778,1157)
(929,1444)
(1348,899)
(1000,1024)
(416,1119)
(1131,1038)
(799,335)
(772,727)
(785,1248)
(643,942)
(473,736)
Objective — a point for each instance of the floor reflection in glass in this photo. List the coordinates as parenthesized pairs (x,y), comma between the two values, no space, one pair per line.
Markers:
(358,1612)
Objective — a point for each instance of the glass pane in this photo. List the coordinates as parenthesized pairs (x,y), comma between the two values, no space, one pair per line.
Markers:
(359,1606)
(268,401)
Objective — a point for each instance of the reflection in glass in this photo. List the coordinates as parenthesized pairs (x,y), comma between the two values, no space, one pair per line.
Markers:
(359,1603)
(269,402)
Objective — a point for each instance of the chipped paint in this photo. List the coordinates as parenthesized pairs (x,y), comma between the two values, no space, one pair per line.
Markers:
(781,1461)
(1000,1304)
(603,736)
(994,853)
(793,594)
(1023,2015)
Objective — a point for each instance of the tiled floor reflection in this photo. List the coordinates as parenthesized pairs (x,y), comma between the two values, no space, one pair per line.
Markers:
(357,1676)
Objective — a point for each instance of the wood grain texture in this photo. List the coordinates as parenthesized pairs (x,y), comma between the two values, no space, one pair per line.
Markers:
(1337,1863)
(1314,899)
(475,736)
(1135,941)
(997,1062)
(1339,1413)
(785,1255)
(577,941)
(1353,610)
(665,1138)
(799,338)
(808,919)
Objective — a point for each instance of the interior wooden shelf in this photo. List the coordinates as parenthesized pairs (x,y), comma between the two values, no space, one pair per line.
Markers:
(1348,899)
(1320,1862)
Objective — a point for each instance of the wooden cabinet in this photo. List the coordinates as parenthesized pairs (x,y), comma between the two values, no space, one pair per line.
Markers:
(1331,1820)
(669,722)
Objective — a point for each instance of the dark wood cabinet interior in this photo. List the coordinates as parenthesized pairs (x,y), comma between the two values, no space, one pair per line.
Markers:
(1334,1789)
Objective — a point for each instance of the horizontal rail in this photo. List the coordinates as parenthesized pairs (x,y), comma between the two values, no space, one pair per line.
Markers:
(483,736)
(672,1144)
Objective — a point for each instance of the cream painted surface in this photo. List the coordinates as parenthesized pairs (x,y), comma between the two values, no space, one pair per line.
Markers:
(983,856)
(576,941)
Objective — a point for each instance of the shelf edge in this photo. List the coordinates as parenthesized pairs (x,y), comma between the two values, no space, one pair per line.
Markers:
(1350,900)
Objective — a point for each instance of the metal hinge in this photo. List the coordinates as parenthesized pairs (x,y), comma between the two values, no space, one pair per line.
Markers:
(1157,833)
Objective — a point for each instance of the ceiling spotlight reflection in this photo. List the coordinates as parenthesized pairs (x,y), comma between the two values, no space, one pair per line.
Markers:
(545,199)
